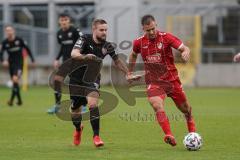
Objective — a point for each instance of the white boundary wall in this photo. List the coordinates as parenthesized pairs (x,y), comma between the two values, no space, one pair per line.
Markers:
(218,75)
(207,75)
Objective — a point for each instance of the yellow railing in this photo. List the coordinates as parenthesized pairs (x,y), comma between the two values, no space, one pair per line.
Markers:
(188,28)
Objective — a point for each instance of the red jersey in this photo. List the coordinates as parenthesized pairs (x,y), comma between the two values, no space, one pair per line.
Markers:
(158,57)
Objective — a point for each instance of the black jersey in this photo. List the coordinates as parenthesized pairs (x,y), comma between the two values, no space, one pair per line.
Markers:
(67,39)
(15,51)
(86,45)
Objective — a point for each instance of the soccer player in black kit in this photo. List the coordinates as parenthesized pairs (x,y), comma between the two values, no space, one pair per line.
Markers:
(91,47)
(14,46)
(66,37)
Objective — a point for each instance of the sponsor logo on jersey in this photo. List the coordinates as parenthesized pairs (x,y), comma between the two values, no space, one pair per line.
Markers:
(154,58)
(14,49)
(70,34)
(160,45)
(67,42)
(17,43)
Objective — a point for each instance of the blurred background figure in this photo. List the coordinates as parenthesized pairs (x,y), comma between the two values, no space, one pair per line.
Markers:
(14,46)
(66,37)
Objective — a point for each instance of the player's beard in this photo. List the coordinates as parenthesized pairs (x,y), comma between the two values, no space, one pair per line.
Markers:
(152,37)
(101,39)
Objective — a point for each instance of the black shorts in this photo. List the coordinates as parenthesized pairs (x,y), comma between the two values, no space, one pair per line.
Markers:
(79,92)
(77,102)
(15,70)
(76,70)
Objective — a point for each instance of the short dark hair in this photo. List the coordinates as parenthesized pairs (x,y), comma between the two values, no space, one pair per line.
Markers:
(64,15)
(146,20)
(98,21)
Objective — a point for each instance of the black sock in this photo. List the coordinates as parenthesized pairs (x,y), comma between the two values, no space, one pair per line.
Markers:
(76,120)
(17,92)
(57,88)
(13,94)
(95,120)
(58,97)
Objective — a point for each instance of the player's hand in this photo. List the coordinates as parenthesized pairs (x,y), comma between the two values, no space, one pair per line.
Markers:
(236,58)
(56,64)
(185,56)
(33,65)
(130,77)
(5,64)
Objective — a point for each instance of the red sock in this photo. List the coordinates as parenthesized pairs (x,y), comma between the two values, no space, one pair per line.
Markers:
(163,122)
(190,124)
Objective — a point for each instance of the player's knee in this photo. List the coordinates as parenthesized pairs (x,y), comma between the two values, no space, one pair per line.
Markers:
(92,104)
(157,106)
(15,79)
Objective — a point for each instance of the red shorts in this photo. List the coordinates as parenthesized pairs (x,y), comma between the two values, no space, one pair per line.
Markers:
(171,89)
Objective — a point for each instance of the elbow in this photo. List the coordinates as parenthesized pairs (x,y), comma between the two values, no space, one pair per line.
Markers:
(74,54)
(187,48)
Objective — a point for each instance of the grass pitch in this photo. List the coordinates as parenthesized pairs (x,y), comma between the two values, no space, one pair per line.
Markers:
(29,133)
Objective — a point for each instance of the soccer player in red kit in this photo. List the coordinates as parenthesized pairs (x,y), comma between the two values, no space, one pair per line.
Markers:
(161,75)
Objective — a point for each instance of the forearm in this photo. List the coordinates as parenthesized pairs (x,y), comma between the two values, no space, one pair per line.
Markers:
(132,62)
(184,50)
(30,54)
(75,54)
(121,66)
(59,54)
(1,56)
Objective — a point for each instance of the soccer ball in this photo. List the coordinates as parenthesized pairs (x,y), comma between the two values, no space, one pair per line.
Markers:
(9,84)
(192,141)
